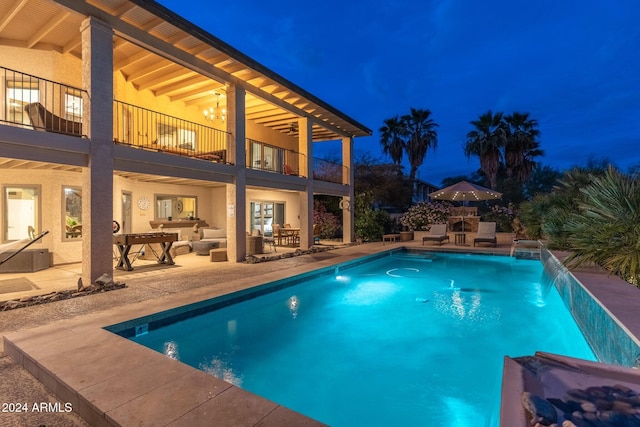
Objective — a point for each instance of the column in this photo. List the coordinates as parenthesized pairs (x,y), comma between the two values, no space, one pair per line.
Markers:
(237,192)
(305,147)
(348,232)
(97,124)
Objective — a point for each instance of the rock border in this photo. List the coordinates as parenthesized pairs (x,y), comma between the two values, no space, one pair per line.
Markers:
(255,259)
(102,284)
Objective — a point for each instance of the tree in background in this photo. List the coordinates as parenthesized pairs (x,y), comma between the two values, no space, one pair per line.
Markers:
(385,183)
(487,142)
(508,148)
(542,180)
(422,135)
(412,134)
(392,139)
(522,146)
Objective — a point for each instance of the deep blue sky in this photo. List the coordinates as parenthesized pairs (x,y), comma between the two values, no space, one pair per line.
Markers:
(574,66)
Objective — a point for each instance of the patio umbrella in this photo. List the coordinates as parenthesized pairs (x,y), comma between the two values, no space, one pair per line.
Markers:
(464,191)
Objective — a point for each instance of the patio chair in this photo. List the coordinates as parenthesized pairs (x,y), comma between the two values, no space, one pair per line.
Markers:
(316,234)
(486,234)
(437,233)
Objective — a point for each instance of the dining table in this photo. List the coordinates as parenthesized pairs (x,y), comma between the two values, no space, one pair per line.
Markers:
(290,235)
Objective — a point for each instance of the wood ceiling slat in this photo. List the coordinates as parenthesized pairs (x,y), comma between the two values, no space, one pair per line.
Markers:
(11,13)
(46,29)
(184,88)
(146,71)
(164,79)
(132,60)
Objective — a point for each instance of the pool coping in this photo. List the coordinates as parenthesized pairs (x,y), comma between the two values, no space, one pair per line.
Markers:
(112,381)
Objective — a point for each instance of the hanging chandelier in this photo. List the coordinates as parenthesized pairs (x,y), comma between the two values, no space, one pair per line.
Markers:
(215,113)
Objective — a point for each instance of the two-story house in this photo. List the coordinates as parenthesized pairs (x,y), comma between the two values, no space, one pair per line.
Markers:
(121,110)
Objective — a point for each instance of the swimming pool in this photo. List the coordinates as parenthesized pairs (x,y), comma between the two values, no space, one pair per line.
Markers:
(407,339)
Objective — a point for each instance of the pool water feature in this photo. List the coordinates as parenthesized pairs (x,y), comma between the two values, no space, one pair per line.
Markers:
(407,339)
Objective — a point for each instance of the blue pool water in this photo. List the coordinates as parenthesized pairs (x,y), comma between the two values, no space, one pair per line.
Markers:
(408,339)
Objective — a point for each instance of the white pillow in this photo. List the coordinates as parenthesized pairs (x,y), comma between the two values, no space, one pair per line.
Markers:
(214,233)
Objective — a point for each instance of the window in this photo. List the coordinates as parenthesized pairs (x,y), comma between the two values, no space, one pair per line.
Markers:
(175,207)
(19,94)
(73,105)
(72,212)
(171,136)
(21,211)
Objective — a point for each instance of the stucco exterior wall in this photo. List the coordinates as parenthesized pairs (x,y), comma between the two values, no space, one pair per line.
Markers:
(65,69)
(51,217)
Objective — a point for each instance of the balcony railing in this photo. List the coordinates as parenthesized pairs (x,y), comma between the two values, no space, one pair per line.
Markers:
(270,158)
(324,170)
(41,104)
(143,128)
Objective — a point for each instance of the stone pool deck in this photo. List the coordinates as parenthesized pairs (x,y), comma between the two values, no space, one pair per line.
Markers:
(111,381)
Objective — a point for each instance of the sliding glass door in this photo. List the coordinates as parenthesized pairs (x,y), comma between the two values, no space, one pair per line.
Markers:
(264,215)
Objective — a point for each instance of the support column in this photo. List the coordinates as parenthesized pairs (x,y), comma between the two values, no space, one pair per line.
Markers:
(97,125)
(348,232)
(237,192)
(305,147)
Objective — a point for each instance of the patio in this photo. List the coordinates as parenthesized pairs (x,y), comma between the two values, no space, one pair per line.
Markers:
(150,289)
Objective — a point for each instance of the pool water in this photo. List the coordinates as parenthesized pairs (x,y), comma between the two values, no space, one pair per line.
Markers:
(408,339)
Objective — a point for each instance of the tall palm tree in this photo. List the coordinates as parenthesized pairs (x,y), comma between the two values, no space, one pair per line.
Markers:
(392,136)
(522,146)
(487,141)
(421,136)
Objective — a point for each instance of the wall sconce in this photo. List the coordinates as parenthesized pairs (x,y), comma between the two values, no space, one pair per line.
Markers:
(217,113)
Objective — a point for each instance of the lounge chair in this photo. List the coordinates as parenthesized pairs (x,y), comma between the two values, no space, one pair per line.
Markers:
(437,233)
(486,234)
(43,119)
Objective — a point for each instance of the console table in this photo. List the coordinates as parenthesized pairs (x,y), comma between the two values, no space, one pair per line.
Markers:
(178,223)
(124,242)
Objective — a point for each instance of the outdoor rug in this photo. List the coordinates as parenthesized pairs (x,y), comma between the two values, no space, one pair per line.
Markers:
(19,284)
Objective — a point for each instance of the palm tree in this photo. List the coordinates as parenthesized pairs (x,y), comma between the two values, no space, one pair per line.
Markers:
(522,146)
(605,231)
(421,134)
(486,141)
(392,139)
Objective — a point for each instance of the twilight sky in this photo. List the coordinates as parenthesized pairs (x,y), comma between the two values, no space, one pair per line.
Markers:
(574,66)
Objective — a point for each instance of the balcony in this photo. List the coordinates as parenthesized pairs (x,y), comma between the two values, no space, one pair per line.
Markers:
(324,170)
(44,105)
(41,104)
(143,128)
(270,158)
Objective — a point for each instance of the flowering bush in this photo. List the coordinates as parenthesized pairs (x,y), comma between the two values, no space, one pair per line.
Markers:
(502,215)
(420,216)
(327,221)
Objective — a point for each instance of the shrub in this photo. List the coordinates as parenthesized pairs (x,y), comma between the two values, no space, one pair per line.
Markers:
(325,220)
(370,224)
(502,215)
(420,216)
(606,231)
